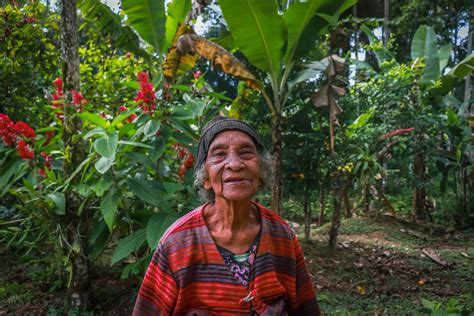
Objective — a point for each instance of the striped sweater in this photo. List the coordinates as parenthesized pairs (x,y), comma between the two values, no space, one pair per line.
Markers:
(188,276)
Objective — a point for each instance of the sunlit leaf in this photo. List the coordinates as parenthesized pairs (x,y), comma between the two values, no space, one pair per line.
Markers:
(128,245)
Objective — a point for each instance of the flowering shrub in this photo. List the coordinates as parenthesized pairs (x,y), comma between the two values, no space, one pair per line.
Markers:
(19,135)
(130,181)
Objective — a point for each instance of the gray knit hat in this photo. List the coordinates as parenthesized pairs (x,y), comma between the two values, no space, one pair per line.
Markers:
(219,124)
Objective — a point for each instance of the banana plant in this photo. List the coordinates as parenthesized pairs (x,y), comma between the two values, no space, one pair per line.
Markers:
(273,42)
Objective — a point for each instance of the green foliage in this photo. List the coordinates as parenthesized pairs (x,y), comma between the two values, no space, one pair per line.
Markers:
(29,56)
(452,307)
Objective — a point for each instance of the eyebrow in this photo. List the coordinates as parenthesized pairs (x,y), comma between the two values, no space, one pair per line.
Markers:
(246,144)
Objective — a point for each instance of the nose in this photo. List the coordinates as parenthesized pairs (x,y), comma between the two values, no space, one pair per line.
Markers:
(234,162)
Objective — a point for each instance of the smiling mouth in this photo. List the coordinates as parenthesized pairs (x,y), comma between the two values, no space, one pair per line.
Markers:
(235,181)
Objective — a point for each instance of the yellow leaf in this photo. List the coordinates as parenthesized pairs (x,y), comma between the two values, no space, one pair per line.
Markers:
(361,290)
(218,56)
(176,64)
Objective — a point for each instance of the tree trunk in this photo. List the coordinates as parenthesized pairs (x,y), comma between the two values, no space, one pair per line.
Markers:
(419,194)
(367,200)
(386,14)
(335,221)
(72,223)
(307,213)
(321,205)
(276,163)
(347,203)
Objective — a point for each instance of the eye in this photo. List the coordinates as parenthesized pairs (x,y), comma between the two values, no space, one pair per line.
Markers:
(247,153)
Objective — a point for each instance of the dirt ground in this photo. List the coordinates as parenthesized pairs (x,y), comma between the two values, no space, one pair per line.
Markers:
(379,268)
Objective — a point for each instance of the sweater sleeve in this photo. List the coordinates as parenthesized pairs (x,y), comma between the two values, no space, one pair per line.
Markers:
(306,302)
(158,292)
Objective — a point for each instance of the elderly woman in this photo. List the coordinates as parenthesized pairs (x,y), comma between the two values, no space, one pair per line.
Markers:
(230,256)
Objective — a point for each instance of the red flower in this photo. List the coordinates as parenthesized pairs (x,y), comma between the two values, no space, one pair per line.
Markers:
(29,19)
(48,160)
(42,173)
(24,129)
(59,83)
(189,162)
(7,131)
(146,94)
(182,171)
(131,118)
(25,152)
(397,132)
(197,74)
(122,108)
(143,77)
(60,116)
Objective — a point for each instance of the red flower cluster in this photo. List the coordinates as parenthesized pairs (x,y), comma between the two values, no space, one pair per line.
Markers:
(25,151)
(58,99)
(48,164)
(14,134)
(131,118)
(7,132)
(397,132)
(78,99)
(186,156)
(146,94)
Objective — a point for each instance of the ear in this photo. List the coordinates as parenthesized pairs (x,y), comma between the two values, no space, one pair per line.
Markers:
(207,184)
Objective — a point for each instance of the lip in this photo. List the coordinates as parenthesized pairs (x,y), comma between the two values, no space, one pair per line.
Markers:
(234,180)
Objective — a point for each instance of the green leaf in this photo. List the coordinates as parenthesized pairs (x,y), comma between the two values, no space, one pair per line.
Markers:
(98,239)
(103,184)
(136,144)
(131,84)
(128,245)
(459,71)
(106,146)
(108,207)
(258,31)
(382,53)
(444,54)
(362,119)
(10,174)
(159,147)
(146,191)
(453,118)
(157,226)
(123,116)
(176,13)
(172,187)
(304,26)
(151,127)
(96,131)
(312,70)
(147,17)
(103,164)
(59,201)
(110,22)
(425,45)
(94,118)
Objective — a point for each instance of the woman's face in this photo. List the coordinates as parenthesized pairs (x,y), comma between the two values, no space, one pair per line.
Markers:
(233,166)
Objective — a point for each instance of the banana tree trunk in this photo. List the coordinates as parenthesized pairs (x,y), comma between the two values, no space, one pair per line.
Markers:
(72,223)
(276,163)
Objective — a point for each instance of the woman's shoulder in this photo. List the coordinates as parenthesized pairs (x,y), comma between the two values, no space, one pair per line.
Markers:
(183,225)
(275,223)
